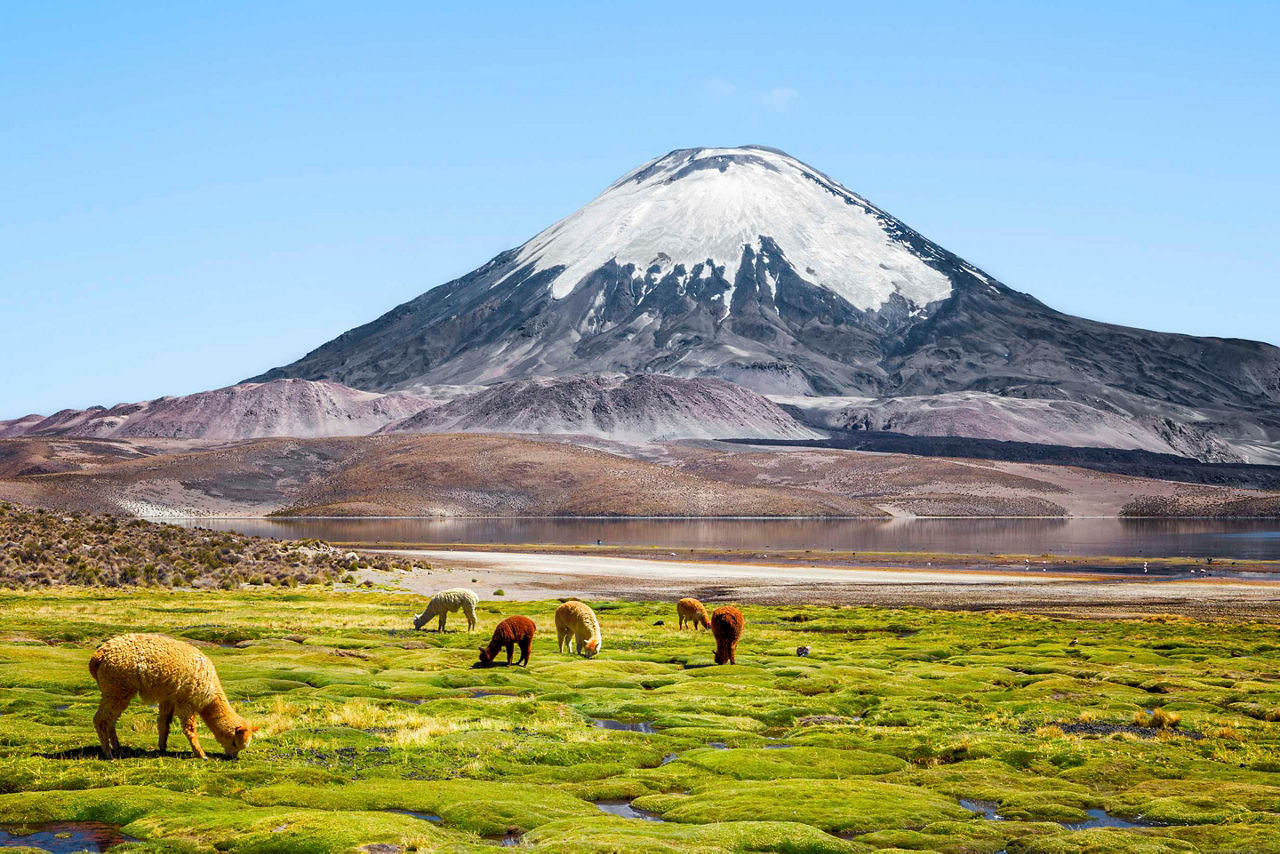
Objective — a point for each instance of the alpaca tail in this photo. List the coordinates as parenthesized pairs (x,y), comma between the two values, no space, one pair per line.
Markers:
(94,663)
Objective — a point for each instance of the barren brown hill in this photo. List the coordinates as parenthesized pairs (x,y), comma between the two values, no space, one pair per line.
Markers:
(47,456)
(940,486)
(497,475)
(448,474)
(467,474)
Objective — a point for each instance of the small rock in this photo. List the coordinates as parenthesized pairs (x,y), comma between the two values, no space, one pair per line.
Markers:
(659,623)
(802,651)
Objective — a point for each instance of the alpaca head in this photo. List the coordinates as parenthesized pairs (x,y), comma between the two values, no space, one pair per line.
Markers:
(238,739)
(486,657)
(420,620)
(591,649)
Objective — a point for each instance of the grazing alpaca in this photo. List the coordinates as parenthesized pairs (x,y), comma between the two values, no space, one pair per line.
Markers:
(577,624)
(170,672)
(726,625)
(444,602)
(693,612)
(510,633)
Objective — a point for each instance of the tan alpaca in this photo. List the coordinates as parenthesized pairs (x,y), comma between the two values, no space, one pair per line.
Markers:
(172,673)
(693,612)
(576,624)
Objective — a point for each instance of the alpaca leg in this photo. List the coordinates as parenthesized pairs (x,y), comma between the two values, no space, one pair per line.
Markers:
(511,651)
(104,722)
(189,730)
(560,636)
(525,646)
(470,611)
(444,616)
(166,717)
(682,622)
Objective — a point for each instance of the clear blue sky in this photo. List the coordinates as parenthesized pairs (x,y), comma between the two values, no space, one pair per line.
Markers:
(189,196)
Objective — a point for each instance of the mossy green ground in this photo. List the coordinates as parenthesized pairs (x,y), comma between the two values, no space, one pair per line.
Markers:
(869,743)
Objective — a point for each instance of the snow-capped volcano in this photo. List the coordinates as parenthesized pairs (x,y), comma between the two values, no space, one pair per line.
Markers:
(704,209)
(745,264)
(739,263)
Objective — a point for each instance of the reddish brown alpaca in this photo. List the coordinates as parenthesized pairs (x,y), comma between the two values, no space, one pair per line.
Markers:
(510,633)
(726,625)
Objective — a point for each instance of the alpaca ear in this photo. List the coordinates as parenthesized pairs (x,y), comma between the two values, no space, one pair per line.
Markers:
(244,729)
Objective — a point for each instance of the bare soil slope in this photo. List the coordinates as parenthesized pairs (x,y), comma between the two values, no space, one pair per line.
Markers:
(499,475)
(448,474)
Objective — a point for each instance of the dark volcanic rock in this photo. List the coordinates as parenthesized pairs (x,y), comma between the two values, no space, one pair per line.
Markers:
(643,407)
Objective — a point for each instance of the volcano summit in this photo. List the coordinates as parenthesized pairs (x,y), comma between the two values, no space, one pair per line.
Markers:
(745,264)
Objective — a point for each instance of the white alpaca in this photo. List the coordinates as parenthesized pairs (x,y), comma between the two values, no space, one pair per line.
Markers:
(444,602)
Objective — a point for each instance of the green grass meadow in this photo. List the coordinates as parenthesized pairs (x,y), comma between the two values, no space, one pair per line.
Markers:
(870,743)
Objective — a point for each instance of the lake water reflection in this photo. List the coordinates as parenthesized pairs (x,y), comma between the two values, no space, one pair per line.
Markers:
(1228,539)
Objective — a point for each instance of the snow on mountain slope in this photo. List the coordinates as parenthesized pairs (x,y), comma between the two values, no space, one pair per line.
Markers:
(640,408)
(297,408)
(701,207)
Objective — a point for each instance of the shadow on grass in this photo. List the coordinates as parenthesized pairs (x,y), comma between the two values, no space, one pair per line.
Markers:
(95,752)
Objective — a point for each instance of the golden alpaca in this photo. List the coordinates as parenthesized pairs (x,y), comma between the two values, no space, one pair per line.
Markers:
(172,673)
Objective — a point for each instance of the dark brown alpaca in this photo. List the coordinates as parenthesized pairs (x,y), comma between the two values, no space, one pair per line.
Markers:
(510,633)
(726,625)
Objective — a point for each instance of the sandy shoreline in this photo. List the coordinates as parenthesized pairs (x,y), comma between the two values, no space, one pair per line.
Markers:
(532,575)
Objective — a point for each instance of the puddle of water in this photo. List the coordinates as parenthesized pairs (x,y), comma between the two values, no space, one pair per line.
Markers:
(66,837)
(425,816)
(645,727)
(480,692)
(778,746)
(669,758)
(1101,818)
(717,745)
(507,840)
(623,809)
(987,808)
(61,708)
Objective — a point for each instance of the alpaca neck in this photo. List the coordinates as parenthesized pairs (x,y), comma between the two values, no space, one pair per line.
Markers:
(219,717)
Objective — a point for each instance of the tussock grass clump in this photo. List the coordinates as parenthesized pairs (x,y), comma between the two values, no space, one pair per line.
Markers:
(1157,719)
